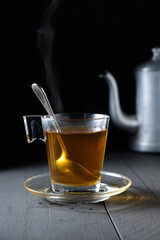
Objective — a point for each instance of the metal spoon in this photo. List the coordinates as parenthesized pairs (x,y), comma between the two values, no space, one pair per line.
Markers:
(40,93)
(64,164)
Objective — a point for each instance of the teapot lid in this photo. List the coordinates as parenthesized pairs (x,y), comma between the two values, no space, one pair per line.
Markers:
(153,64)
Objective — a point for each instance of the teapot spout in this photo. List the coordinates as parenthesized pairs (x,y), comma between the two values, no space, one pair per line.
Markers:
(126,122)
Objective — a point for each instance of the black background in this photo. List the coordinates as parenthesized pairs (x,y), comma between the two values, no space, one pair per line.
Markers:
(90,36)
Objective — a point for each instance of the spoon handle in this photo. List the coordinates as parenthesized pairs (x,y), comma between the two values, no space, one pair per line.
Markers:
(41,95)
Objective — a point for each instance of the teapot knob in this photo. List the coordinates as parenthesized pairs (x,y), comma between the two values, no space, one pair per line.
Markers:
(156,53)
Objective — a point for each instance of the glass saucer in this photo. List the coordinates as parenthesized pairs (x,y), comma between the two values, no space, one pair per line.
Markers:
(111,184)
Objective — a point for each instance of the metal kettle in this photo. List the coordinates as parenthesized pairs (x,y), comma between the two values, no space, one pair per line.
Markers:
(145,125)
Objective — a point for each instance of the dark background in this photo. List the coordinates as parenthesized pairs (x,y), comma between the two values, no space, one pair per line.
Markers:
(89,36)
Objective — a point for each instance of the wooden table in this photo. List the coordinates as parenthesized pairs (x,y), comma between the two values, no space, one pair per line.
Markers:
(134,214)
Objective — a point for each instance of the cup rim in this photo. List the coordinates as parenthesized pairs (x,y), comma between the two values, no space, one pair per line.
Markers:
(99,116)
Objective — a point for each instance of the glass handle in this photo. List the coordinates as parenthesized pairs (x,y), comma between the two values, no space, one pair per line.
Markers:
(33,128)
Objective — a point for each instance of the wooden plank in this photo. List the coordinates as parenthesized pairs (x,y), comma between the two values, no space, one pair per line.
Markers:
(25,216)
(135,213)
(13,203)
(147,168)
(70,222)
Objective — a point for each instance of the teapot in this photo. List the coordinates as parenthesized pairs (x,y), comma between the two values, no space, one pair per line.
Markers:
(145,124)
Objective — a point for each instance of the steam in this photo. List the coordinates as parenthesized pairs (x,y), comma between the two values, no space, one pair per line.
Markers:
(45,43)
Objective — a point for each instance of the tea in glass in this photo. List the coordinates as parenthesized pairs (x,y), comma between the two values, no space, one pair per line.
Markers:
(76,153)
(79,162)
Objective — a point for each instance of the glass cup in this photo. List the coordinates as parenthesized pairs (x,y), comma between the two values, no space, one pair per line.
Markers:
(76,154)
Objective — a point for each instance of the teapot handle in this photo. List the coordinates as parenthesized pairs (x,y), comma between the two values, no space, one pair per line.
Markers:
(33,128)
